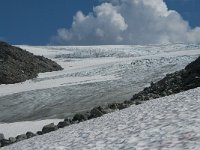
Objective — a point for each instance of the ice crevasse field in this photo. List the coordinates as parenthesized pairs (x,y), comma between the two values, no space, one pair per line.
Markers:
(92,76)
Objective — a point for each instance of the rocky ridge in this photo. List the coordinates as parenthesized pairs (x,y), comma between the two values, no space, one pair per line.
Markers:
(183,80)
(17,65)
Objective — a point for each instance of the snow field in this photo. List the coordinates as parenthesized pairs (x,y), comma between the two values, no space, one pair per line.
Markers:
(166,123)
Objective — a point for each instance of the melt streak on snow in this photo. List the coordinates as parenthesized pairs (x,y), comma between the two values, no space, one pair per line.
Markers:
(166,123)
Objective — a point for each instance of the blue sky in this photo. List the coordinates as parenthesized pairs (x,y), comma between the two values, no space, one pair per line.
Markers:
(189,9)
(34,22)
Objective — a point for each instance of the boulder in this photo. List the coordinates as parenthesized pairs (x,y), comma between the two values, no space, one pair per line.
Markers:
(30,135)
(138,102)
(123,106)
(80,117)
(97,112)
(49,128)
(21,137)
(39,133)
(12,140)
(63,124)
(5,142)
(68,120)
(1,136)
(113,106)
(108,110)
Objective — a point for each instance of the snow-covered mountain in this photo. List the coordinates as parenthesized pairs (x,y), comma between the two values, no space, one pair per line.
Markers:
(166,123)
(92,75)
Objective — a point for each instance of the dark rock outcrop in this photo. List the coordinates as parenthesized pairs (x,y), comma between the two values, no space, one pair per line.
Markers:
(97,112)
(5,142)
(49,128)
(30,135)
(21,137)
(194,67)
(80,117)
(1,136)
(12,140)
(17,65)
(183,80)
(39,133)
(63,124)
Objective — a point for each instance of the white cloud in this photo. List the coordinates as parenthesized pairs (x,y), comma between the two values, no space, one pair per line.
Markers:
(128,22)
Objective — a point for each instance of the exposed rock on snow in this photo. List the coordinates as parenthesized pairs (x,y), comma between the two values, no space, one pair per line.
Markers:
(124,71)
(21,137)
(30,135)
(194,67)
(49,128)
(166,123)
(12,140)
(179,81)
(183,80)
(63,124)
(172,83)
(17,65)
(1,136)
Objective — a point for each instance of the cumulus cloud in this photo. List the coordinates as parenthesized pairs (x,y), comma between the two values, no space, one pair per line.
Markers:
(128,22)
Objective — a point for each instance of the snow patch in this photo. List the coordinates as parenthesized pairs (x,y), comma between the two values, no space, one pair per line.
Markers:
(17,128)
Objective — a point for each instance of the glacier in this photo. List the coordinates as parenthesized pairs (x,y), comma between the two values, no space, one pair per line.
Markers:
(92,76)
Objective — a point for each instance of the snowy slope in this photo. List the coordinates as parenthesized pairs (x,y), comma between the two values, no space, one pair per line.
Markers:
(18,128)
(92,75)
(87,64)
(166,123)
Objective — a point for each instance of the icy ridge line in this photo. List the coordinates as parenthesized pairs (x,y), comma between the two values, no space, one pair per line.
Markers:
(183,80)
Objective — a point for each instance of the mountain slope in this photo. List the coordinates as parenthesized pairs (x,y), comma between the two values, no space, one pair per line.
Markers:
(110,73)
(17,65)
(167,123)
(183,80)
